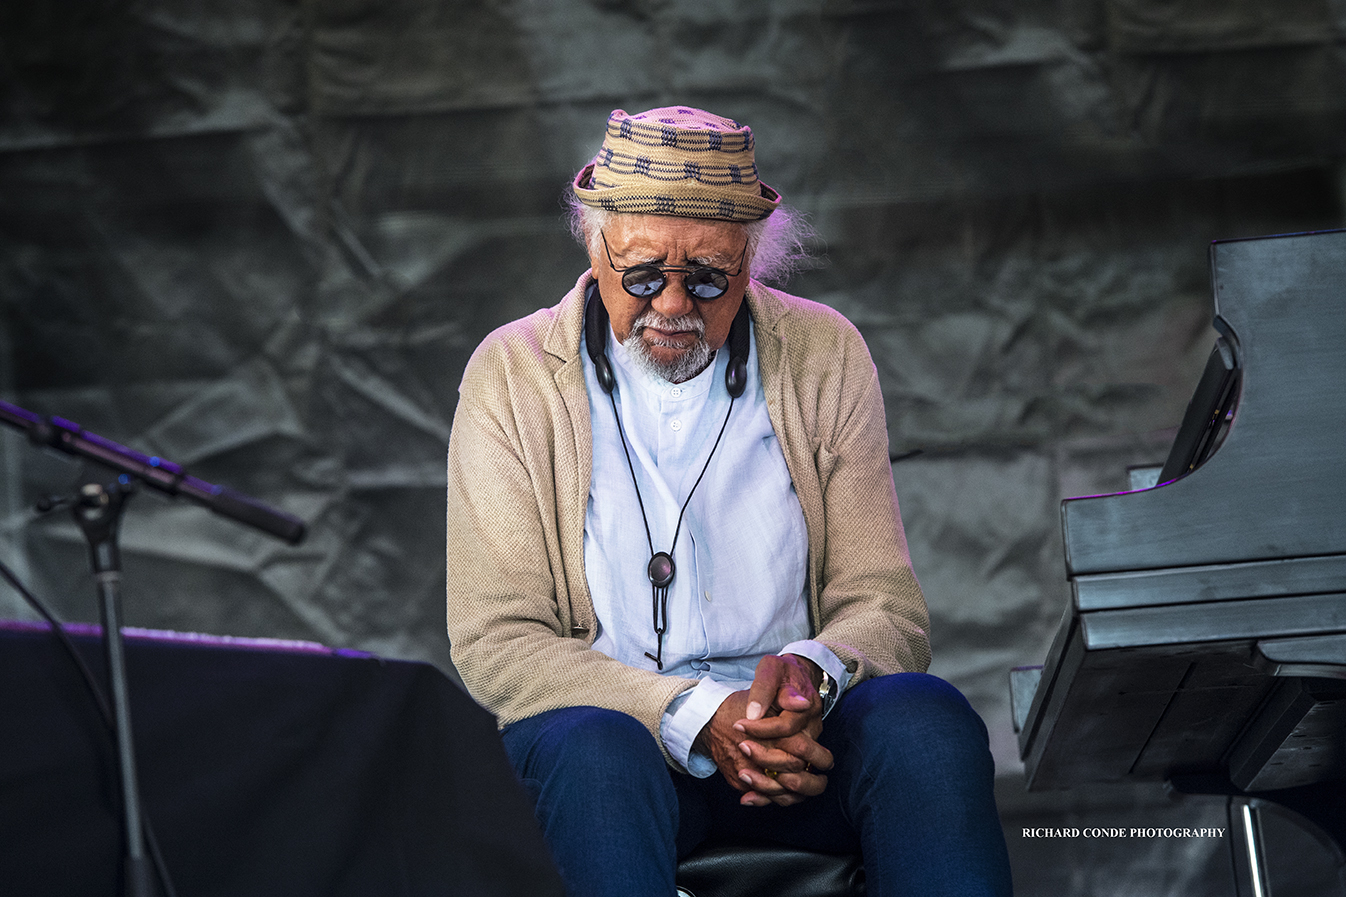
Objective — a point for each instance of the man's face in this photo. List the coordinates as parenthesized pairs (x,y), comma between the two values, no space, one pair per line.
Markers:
(667,326)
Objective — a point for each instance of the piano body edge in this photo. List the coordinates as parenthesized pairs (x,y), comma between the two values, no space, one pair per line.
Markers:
(1199,605)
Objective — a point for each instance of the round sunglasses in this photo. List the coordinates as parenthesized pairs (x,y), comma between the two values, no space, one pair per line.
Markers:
(648,280)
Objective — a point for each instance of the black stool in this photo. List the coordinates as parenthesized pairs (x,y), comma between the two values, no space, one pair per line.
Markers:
(769,870)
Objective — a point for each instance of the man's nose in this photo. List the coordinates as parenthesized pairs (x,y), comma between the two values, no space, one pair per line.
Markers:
(674,300)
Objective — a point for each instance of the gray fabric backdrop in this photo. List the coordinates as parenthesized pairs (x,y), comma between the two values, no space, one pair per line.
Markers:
(261,238)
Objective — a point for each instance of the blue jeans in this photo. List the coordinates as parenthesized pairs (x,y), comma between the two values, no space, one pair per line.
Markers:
(911,791)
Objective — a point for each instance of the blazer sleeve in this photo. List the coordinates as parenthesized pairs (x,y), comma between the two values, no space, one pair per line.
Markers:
(871,610)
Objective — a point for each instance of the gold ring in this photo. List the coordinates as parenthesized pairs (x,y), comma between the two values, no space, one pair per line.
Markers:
(771,772)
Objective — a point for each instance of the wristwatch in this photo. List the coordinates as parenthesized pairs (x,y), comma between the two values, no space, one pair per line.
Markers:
(827,691)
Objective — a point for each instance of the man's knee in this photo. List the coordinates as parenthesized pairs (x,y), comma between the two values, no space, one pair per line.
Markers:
(919,785)
(924,713)
(603,798)
(588,743)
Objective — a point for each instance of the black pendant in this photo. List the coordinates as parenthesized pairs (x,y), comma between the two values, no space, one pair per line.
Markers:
(661,570)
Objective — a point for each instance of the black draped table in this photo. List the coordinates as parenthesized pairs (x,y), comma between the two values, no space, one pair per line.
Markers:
(265,767)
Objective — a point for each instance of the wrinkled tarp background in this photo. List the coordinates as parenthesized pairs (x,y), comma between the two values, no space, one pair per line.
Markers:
(261,239)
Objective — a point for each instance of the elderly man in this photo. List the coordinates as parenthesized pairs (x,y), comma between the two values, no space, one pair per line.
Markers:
(677,573)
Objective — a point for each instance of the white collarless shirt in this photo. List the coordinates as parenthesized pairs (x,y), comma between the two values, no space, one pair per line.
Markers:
(741,556)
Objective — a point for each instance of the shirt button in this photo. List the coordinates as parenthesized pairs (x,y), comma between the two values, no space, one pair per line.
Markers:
(676,425)
(676,392)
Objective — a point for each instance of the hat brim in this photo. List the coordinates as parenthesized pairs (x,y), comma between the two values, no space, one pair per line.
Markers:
(678,199)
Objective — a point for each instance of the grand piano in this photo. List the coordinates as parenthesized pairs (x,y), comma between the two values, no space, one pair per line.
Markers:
(1205,642)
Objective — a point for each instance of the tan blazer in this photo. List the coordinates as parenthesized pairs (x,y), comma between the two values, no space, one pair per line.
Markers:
(520,617)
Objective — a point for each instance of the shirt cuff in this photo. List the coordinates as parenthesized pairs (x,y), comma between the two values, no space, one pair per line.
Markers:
(686,717)
(824,658)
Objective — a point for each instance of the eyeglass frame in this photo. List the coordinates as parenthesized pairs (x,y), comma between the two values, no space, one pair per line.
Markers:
(685,270)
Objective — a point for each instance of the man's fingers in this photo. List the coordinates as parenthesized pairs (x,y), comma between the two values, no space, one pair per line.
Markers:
(782,683)
(791,755)
(803,784)
(767,758)
(789,750)
(791,697)
(814,755)
(780,726)
(766,684)
(799,784)
(798,691)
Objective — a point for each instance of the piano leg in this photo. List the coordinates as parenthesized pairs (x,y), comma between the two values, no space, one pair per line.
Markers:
(1247,847)
(1317,810)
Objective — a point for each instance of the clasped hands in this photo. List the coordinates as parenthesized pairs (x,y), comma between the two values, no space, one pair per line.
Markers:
(765,739)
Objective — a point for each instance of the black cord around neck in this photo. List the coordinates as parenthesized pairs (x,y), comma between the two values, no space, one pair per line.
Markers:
(661,568)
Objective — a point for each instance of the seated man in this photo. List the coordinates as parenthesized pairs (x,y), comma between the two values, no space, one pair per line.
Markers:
(674,550)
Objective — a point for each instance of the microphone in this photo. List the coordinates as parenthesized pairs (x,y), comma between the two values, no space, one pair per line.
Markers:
(157,473)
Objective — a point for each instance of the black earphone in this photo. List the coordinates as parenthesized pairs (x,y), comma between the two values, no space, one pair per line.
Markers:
(596,327)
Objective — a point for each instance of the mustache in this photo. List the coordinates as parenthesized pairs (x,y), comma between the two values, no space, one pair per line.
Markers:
(651,318)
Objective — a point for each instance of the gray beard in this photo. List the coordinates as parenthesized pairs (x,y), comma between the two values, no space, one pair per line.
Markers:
(692,362)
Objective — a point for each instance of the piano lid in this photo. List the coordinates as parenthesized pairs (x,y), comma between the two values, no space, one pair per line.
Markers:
(1276,486)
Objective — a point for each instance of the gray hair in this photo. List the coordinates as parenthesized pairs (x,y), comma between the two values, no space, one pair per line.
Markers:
(776,244)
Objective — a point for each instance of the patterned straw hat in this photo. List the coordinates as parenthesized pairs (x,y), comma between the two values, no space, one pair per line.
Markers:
(676,161)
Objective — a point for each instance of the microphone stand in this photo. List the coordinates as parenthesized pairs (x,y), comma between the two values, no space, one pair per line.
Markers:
(98,511)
